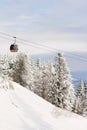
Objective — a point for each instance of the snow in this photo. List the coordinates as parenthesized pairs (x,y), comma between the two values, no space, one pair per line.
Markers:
(20,109)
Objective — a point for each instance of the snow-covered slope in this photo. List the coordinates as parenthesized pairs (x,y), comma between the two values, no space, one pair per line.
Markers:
(21,109)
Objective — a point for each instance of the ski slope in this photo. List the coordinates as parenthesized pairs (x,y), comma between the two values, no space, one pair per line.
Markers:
(20,109)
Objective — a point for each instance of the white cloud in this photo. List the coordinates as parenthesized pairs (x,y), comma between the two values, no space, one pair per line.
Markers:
(55,24)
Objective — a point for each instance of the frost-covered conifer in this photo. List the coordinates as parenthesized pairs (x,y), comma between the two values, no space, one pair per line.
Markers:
(63,87)
(22,72)
(4,66)
(82,99)
(37,77)
(43,80)
(79,97)
(50,72)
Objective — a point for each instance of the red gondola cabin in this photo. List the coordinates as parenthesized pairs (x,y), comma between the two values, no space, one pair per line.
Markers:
(14,48)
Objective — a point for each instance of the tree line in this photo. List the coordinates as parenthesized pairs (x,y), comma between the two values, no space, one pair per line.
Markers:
(51,81)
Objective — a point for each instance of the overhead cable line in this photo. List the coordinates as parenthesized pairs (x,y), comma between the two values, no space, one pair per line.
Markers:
(37,45)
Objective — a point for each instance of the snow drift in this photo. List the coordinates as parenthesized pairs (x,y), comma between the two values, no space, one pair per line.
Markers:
(20,109)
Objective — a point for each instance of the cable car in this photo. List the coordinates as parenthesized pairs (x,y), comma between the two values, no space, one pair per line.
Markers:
(14,46)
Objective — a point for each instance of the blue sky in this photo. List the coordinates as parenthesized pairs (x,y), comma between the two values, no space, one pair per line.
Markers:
(55,23)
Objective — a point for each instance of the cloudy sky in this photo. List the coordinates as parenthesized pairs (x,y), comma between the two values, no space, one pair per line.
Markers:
(58,24)
(54,23)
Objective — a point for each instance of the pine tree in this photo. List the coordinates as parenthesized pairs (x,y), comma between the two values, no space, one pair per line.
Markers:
(4,66)
(49,96)
(63,87)
(79,97)
(5,79)
(22,72)
(47,76)
(43,80)
(85,90)
(84,103)
(37,77)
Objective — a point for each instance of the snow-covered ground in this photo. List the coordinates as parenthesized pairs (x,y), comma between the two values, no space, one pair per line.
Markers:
(21,109)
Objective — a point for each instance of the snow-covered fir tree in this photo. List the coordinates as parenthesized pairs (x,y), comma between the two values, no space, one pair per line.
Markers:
(4,66)
(47,78)
(38,78)
(50,73)
(84,104)
(5,77)
(36,74)
(79,98)
(22,71)
(63,88)
(85,90)
(43,79)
